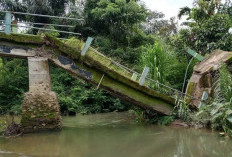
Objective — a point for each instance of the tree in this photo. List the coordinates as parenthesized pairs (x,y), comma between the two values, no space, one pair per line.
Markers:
(156,24)
(13,84)
(118,20)
(209,26)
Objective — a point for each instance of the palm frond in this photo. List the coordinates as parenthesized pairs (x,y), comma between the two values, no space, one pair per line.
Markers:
(184,11)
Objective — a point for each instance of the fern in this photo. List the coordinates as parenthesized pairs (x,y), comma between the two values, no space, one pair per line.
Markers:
(225,79)
(216,86)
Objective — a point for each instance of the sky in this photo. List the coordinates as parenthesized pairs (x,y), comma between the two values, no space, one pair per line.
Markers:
(169,7)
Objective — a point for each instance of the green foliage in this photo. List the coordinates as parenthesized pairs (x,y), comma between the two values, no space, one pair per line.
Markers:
(0,62)
(116,19)
(225,79)
(164,64)
(184,11)
(13,84)
(176,72)
(180,42)
(182,110)
(76,97)
(3,125)
(209,27)
(218,115)
(165,120)
(52,32)
(140,115)
(74,43)
(155,58)
(11,5)
(116,27)
(125,55)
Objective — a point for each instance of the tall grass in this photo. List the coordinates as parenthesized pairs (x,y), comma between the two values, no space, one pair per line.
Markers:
(153,56)
(165,66)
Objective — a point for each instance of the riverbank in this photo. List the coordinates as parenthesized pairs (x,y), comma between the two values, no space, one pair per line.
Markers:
(119,117)
(130,116)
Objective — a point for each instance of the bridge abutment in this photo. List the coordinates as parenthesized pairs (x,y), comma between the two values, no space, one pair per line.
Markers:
(40,109)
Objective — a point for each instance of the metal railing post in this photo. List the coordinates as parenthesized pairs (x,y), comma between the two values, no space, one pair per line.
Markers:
(87,45)
(8,23)
(204,97)
(144,75)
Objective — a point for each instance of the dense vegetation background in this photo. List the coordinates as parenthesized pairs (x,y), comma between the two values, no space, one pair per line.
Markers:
(126,31)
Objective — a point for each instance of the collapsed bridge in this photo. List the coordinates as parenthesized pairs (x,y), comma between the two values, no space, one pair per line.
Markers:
(40,109)
(93,67)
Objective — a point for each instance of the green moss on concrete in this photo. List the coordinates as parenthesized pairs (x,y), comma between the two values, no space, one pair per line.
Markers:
(129,94)
(40,111)
(189,91)
(62,47)
(21,38)
(33,118)
(229,59)
(190,88)
(104,64)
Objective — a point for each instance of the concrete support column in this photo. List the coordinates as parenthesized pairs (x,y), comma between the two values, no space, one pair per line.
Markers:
(39,76)
(40,109)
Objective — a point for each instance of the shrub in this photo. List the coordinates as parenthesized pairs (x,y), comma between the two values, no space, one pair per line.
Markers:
(78,97)
(218,115)
(13,84)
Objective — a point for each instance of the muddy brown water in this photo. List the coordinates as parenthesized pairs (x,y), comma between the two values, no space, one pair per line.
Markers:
(116,135)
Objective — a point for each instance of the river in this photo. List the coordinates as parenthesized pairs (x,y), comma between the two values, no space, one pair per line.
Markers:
(116,135)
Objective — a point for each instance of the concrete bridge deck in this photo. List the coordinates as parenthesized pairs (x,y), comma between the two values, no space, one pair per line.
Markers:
(91,67)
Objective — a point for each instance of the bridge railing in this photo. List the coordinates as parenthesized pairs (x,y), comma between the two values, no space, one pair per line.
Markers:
(8,26)
(156,85)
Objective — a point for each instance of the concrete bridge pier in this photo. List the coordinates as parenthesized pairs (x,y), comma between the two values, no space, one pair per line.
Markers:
(40,109)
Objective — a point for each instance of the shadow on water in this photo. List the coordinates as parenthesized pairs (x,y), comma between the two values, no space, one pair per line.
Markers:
(116,135)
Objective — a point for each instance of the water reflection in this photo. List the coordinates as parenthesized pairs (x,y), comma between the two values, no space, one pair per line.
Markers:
(116,135)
